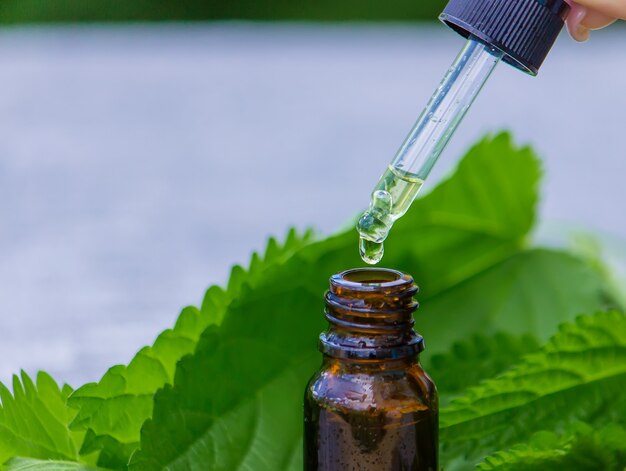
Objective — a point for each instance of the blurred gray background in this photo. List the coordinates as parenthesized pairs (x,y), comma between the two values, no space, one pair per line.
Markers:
(138,163)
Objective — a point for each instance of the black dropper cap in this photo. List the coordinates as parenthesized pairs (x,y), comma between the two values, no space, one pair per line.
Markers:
(524,30)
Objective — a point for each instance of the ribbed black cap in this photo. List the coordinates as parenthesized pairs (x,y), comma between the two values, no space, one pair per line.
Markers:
(524,30)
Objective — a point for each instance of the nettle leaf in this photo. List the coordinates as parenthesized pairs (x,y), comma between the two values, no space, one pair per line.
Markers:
(244,410)
(34,420)
(580,375)
(531,293)
(28,464)
(582,448)
(480,356)
(236,402)
(113,410)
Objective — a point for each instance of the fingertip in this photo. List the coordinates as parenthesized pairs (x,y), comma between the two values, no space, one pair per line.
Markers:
(576,29)
(580,33)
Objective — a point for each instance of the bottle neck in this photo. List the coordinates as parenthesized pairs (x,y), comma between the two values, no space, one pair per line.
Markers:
(368,366)
(370,315)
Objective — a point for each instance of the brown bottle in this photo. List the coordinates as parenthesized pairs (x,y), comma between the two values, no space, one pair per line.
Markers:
(371,406)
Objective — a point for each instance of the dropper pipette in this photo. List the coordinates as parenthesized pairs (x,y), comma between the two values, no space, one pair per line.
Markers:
(519,32)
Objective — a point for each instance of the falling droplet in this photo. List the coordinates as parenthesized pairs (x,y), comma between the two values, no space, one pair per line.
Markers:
(371,252)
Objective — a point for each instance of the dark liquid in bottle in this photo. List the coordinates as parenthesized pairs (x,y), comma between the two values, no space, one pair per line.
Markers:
(369,441)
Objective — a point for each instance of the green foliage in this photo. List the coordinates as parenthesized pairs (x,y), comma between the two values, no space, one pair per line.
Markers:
(222,390)
(580,375)
(113,410)
(481,356)
(581,449)
(27,464)
(33,420)
(532,292)
(14,11)
(255,367)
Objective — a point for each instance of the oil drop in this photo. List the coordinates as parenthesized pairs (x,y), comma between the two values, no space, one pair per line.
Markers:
(371,252)
(390,200)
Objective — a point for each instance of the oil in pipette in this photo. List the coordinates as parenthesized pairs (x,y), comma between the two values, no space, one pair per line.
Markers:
(390,200)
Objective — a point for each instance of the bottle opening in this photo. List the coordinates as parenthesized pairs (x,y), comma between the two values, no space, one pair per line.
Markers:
(382,281)
(371,276)
(370,315)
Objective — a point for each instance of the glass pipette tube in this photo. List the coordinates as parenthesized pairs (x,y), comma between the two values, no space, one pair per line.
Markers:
(399,185)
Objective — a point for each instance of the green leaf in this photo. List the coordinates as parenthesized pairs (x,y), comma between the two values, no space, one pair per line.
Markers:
(530,293)
(580,375)
(528,457)
(479,357)
(236,402)
(583,449)
(606,256)
(253,416)
(27,464)
(113,410)
(33,420)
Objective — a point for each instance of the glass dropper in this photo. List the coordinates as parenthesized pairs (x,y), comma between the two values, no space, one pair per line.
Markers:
(399,185)
(520,33)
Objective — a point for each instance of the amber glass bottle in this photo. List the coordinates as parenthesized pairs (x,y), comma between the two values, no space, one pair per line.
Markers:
(371,406)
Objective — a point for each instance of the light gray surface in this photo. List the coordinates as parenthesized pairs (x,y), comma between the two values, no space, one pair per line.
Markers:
(138,163)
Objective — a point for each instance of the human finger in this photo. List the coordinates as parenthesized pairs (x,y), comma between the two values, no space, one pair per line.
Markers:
(611,8)
(581,20)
